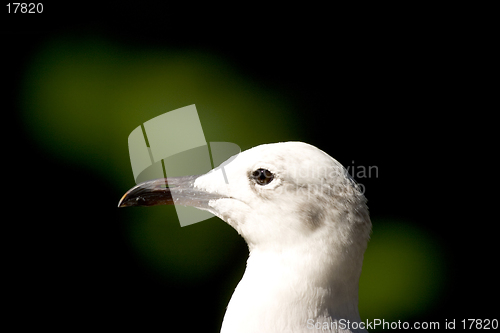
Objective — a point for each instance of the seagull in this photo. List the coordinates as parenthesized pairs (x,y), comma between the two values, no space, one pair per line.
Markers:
(306,224)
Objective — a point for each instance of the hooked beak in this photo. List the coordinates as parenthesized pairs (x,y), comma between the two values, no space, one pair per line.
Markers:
(168,191)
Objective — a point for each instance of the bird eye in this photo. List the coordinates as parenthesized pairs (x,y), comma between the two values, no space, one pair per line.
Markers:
(262,176)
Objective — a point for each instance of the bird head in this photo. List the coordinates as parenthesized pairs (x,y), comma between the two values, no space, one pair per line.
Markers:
(275,195)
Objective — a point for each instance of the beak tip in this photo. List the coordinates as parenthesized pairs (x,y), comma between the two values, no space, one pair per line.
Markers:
(122,202)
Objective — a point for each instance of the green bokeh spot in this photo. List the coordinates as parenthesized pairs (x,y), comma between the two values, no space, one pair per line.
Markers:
(403,272)
(82,97)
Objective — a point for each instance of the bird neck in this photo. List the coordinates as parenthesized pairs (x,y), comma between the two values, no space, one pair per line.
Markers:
(294,287)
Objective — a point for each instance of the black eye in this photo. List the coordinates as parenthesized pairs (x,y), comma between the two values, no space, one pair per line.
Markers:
(262,176)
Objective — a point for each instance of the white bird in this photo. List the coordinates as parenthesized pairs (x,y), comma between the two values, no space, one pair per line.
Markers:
(306,224)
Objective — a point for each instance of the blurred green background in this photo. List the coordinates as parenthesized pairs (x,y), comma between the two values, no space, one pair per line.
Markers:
(77,93)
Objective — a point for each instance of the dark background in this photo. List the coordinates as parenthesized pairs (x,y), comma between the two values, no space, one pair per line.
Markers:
(400,88)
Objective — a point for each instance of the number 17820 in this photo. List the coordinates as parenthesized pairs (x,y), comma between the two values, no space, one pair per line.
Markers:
(23,8)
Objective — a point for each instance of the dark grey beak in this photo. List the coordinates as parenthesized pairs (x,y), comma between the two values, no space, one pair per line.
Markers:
(168,191)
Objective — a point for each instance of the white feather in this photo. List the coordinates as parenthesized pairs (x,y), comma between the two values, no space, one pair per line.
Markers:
(307,231)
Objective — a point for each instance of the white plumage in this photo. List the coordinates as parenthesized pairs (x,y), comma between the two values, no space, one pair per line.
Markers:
(306,224)
(306,230)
